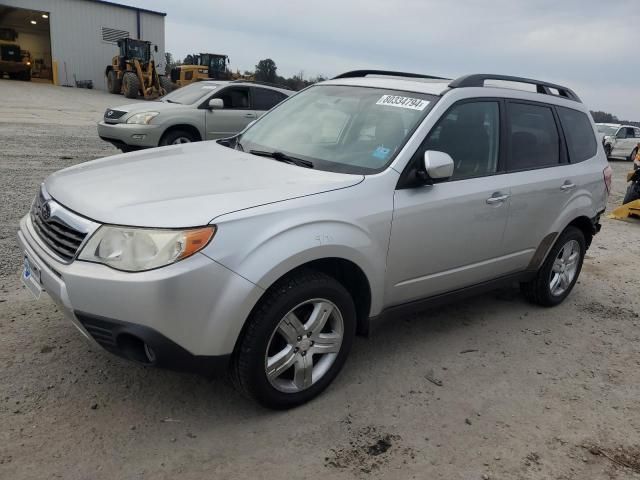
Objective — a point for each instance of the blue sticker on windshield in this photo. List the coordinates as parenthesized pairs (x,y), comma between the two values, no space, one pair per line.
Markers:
(381,152)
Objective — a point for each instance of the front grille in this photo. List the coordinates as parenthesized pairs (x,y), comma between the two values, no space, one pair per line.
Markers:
(61,238)
(111,115)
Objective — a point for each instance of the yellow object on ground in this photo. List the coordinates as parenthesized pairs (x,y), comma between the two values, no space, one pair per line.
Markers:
(631,209)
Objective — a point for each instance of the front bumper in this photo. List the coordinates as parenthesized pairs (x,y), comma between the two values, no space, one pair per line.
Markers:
(130,135)
(189,313)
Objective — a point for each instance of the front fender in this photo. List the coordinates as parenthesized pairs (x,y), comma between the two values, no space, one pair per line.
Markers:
(264,243)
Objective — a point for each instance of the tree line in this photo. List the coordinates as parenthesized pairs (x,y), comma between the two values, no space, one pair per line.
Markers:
(605,117)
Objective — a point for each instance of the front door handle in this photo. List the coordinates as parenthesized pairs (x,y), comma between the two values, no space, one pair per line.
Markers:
(568,186)
(497,198)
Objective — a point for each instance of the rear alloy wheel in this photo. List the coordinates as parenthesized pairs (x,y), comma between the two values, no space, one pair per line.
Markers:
(559,272)
(177,137)
(296,341)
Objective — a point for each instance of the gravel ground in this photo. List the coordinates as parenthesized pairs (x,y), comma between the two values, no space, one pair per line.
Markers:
(489,388)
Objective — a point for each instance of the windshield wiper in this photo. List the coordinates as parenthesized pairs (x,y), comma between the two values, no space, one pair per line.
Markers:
(283,157)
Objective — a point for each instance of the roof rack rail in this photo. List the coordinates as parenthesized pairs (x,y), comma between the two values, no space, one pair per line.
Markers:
(478,79)
(364,73)
(268,84)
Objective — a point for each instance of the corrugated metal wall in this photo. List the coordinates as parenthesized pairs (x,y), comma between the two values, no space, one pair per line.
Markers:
(76,35)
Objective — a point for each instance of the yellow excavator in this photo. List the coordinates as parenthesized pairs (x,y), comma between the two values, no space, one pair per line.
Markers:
(205,66)
(133,71)
(631,204)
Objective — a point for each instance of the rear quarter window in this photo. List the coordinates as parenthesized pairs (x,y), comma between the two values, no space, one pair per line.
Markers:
(578,132)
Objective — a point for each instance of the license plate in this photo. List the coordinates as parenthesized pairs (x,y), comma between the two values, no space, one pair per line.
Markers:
(31,277)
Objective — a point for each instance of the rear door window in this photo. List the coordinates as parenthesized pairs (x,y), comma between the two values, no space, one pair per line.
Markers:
(266,99)
(578,132)
(533,137)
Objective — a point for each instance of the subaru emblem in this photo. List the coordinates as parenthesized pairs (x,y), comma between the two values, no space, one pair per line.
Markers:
(109,113)
(45,211)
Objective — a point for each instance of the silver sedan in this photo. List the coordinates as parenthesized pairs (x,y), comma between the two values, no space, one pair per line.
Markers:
(200,111)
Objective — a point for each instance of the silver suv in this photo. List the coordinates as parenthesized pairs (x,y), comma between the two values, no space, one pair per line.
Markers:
(200,111)
(264,254)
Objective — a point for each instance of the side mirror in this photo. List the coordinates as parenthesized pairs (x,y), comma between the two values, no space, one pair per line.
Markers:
(438,165)
(216,104)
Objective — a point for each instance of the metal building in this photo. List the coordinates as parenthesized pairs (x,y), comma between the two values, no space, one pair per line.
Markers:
(78,37)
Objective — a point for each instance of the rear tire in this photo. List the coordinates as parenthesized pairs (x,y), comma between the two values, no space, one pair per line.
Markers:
(177,137)
(633,154)
(296,340)
(131,85)
(559,272)
(114,84)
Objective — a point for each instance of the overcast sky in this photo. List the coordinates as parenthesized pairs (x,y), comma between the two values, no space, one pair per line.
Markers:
(590,45)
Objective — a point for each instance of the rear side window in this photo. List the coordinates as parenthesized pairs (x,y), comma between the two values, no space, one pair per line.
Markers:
(469,132)
(534,140)
(265,99)
(579,134)
(637,130)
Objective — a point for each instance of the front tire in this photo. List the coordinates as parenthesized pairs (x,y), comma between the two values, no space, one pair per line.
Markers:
(607,150)
(131,85)
(177,137)
(296,341)
(559,272)
(633,154)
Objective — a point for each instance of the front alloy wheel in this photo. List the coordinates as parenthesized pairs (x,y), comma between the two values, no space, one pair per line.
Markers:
(304,345)
(296,340)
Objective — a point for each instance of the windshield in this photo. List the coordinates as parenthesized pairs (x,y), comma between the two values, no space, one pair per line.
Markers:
(339,128)
(607,129)
(190,94)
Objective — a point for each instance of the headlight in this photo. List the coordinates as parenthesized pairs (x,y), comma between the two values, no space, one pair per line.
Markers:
(137,249)
(142,118)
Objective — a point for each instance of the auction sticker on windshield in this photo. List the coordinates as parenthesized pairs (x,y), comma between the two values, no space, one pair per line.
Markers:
(402,102)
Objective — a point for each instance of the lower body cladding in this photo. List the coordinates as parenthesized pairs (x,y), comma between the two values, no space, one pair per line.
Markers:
(186,316)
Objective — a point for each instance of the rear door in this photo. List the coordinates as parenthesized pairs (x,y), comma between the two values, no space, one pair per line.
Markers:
(234,117)
(264,99)
(540,177)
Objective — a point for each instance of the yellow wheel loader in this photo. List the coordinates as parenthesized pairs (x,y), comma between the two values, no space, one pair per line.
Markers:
(133,72)
(205,66)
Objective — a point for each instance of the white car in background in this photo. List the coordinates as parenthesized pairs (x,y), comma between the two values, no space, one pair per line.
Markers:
(619,141)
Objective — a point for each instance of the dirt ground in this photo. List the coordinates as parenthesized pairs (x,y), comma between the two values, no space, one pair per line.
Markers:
(492,388)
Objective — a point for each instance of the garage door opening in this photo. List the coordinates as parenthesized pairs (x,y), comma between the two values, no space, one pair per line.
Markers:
(25,44)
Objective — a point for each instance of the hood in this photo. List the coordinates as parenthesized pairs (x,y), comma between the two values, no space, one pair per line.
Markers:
(147,106)
(183,185)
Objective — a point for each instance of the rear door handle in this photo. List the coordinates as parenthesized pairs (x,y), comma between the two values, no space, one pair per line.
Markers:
(568,186)
(497,198)
(250,115)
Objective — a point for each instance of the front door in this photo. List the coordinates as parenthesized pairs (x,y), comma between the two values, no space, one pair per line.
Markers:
(234,117)
(449,235)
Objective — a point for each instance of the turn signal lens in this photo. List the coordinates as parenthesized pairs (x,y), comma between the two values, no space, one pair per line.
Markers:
(196,240)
